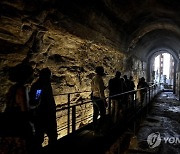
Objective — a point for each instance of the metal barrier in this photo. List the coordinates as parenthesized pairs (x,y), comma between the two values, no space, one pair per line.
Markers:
(71,109)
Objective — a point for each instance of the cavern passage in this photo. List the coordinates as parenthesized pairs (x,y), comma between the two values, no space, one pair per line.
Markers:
(73,37)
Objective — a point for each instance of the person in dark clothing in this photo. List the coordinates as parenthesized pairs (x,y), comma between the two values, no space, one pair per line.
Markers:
(142,84)
(132,87)
(126,88)
(17,123)
(127,83)
(44,111)
(115,87)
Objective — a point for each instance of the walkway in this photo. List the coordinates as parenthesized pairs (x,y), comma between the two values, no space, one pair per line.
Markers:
(86,142)
(163,124)
(163,118)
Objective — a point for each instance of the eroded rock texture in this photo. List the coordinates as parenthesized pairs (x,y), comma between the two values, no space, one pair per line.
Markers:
(72,38)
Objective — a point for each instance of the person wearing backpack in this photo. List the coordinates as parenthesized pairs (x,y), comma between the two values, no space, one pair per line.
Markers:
(44,109)
(16,130)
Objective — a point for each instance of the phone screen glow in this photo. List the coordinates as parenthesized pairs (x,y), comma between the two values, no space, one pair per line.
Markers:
(38,93)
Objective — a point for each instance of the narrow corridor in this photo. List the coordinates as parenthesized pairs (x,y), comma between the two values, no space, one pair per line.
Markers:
(160,130)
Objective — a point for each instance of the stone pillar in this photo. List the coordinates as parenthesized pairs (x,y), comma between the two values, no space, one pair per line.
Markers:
(178,80)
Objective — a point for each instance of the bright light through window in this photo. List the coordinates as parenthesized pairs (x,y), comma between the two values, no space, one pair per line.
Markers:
(156,68)
(163,67)
(166,64)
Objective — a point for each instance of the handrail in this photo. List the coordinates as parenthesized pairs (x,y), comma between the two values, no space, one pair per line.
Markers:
(71,108)
(77,92)
(132,91)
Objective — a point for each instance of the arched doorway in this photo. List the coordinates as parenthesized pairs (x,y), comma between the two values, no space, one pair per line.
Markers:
(163,70)
(166,61)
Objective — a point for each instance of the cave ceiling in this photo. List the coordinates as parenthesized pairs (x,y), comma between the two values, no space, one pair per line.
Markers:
(149,24)
(145,24)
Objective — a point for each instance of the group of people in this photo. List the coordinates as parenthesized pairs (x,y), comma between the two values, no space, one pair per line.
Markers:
(31,111)
(118,102)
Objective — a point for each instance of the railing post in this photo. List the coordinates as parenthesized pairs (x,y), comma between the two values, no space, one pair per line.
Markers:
(109,104)
(149,94)
(68,120)
(135,111)
(135,101)
(141,98)
(73,118)
(149,90)
(146,98)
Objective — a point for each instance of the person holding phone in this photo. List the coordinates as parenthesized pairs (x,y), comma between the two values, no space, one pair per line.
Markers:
(41,97)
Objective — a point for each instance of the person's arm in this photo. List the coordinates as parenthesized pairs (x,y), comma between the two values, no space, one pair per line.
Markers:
(133,84)
(27,97)
(101,89)
(21,99)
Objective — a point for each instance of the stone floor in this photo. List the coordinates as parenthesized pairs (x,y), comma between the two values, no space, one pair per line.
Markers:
(160,130)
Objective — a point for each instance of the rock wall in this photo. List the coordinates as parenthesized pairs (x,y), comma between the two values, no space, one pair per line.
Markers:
(70,44)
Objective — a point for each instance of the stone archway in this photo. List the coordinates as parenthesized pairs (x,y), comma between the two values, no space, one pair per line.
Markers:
(151,56)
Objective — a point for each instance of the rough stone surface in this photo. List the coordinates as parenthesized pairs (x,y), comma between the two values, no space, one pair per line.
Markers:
(70,47)
(71,38)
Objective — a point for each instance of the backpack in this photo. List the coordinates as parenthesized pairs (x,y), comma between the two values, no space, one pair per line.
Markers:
(15,93)
(14,120)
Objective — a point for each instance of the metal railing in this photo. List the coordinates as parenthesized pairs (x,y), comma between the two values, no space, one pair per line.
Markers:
(71,108)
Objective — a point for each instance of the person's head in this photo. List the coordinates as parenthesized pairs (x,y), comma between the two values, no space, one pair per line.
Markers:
(21,73)
(100,70)
(142,79)
(131,78)
(125,77)
(45,74)
(118,74)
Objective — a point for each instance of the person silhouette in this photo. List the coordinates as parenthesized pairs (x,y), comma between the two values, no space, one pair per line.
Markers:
(142,84)
(98,98)
(126,89)
(18,126)
(132,87)
(115,87)
(45,111)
